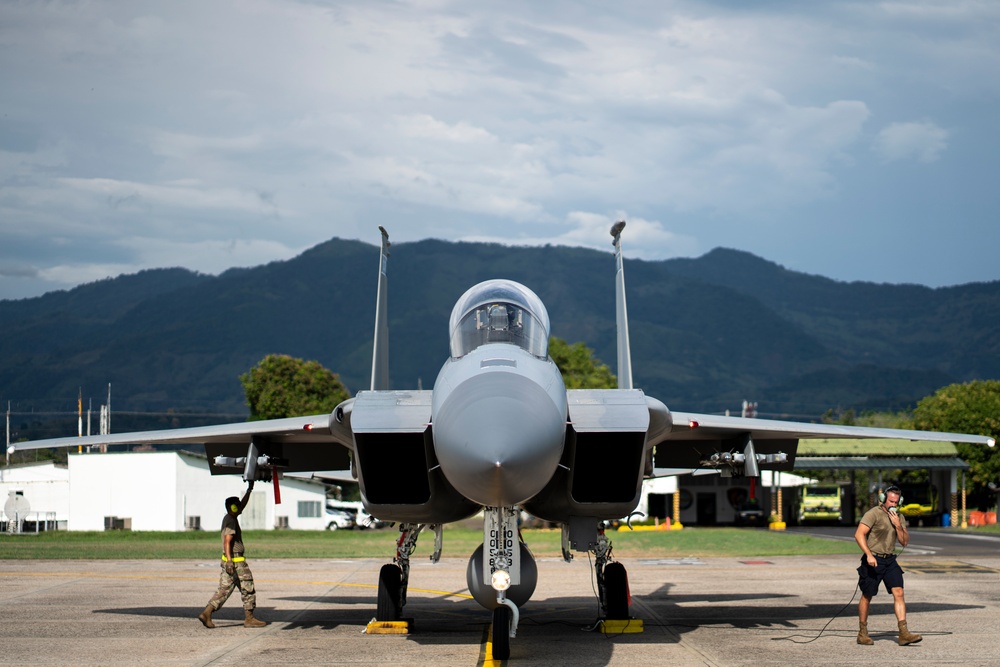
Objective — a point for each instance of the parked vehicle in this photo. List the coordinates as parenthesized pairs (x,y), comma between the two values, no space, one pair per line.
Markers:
(821,503)
(750,513)
(919,503)
(337,519)
(356,511)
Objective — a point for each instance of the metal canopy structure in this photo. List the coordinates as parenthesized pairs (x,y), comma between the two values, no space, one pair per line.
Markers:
(877,454)
(879,463)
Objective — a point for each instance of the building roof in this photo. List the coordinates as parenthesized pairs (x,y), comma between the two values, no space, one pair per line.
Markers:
(880,447)
(879,463)
(877,454)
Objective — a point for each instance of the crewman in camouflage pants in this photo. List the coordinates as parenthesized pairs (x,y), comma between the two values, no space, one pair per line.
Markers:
(235,571)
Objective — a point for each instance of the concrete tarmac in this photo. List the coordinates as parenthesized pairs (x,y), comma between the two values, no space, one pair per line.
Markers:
(713,611)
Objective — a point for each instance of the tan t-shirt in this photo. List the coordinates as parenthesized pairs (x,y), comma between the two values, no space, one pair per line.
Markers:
(231,526)
(882,536)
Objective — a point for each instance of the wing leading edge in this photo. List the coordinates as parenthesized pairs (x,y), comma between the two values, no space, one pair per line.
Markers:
(314,442)
(696,440)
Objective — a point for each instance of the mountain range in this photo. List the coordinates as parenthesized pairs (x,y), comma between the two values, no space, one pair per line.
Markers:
(706,333)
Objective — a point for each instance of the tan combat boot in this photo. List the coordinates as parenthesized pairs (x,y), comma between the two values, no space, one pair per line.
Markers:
(252,622)
(863,637)
(206,616)
(905,636)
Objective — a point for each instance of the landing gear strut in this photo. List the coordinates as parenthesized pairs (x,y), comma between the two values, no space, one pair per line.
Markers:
(612,580)
(501,570)
(394,577)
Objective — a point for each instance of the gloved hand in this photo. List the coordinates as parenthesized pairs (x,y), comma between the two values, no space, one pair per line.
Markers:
(230,567)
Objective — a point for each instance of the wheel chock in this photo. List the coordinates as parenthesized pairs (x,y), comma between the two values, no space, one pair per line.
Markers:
(389,627)
(620,627)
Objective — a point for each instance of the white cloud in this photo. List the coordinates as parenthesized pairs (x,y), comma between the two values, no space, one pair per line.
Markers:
(644,239)
(211,257)
(922,141)
(145,121)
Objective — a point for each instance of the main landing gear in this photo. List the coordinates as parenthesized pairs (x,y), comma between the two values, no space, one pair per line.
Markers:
(613,590)
(612,580)
(394,577)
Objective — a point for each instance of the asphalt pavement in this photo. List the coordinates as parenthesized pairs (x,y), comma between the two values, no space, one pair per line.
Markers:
(695,611)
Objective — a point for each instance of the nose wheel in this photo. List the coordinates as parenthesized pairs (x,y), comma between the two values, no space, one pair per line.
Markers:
(501,632)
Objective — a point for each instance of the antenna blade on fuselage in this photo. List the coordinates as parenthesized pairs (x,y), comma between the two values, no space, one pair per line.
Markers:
(380,353)
(621,312)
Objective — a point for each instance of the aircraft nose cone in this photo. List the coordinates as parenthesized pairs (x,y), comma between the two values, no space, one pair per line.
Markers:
(498,438)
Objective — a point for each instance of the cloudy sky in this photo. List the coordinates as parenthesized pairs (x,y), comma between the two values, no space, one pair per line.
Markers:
(855,140)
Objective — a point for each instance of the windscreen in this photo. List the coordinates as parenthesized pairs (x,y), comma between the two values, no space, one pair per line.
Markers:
(499,311)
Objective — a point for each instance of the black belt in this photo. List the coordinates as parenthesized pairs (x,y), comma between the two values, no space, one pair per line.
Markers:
(883,555)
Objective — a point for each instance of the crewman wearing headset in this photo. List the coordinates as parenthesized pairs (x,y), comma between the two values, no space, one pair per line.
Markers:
(879,530)
(235,571)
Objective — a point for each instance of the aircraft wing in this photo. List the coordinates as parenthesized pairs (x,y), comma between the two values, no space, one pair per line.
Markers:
(305,443)
(694,426)
(692,438)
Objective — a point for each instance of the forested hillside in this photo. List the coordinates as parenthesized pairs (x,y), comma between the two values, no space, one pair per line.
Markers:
(706,333)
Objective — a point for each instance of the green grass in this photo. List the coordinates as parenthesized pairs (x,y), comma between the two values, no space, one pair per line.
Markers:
(458,543)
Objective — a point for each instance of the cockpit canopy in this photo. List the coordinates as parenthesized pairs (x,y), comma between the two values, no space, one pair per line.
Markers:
(499,311)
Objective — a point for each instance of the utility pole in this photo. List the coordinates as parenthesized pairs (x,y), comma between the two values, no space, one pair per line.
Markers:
(79,418)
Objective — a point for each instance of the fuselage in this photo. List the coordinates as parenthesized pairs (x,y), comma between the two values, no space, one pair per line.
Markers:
(499,403)
(499,423)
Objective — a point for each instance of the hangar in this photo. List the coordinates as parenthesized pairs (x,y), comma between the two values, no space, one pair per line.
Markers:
(941,493)
(710,499)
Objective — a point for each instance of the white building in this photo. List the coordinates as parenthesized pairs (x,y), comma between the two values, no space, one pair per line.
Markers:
(44,485)
(160,491)
(658,486)
(711,499)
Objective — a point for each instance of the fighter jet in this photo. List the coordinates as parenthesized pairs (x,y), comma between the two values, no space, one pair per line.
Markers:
(499,433)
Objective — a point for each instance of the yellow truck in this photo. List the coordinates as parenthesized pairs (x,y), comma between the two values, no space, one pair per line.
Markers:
(821,503)
(919,503)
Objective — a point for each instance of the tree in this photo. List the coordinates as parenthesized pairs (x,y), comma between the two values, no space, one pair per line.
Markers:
(282,386)
(579,368)
(973,407)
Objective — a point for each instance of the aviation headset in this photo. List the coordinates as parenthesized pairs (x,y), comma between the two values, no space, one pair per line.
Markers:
(885,494)
(233,504)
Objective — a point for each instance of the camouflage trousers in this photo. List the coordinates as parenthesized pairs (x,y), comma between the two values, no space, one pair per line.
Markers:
(243,579)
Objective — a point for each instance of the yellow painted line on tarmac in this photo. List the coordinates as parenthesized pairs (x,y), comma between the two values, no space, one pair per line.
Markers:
(486,658)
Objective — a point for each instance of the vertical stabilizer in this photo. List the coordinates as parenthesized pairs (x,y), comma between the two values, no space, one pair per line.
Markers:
(621,312)
(380,353)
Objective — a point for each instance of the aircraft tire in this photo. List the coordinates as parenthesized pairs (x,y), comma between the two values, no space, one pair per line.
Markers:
(616,590)
(389,583)
(501,633)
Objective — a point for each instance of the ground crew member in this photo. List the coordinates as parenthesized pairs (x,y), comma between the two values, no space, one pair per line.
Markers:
(235,571)
(879,530)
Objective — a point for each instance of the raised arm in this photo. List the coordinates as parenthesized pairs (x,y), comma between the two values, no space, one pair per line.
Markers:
(246,496)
